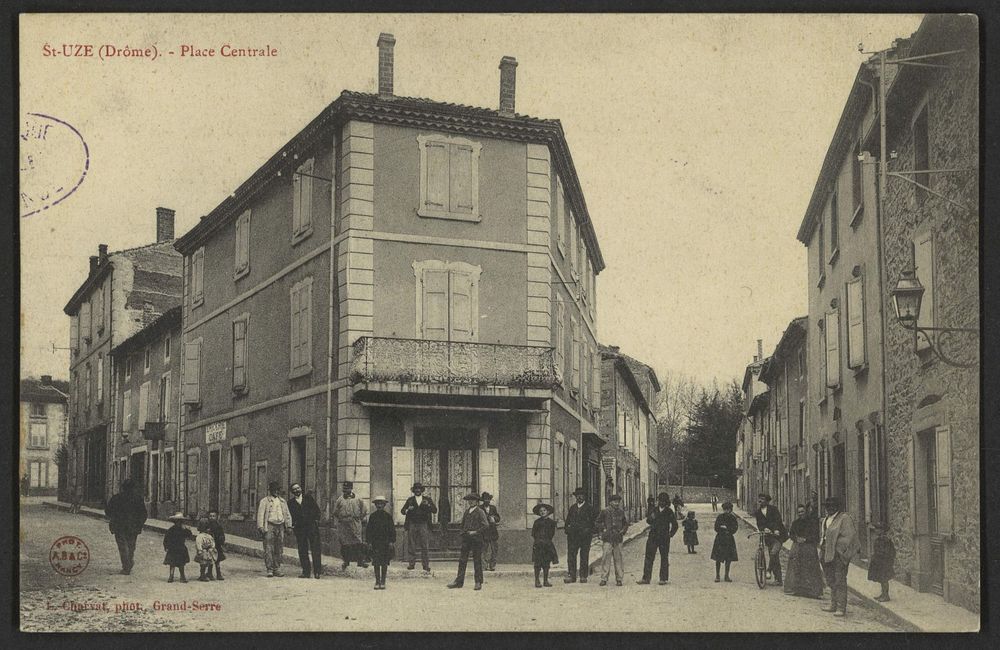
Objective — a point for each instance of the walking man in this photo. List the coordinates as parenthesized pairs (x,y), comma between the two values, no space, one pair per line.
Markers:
(579,534)
(305,521)
(612,524)
(492,537)
(474,526)
(715,503)
(126,514)
(418,510)
(769,521)
(662,526)
(838,546)
(350,513)
(273,519)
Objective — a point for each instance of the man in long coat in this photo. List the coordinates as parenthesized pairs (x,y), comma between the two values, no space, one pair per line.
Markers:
(350,513)
(662,526)
(474,526)
(126,514)
(305,521)
(838,545)
(579,535)
(418,510)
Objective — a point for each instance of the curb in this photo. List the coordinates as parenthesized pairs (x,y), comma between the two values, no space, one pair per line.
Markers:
(867,601)
(331,564)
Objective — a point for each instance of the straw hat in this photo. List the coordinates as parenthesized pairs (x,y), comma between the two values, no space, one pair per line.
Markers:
(380,498)
(540,506)
(177,516)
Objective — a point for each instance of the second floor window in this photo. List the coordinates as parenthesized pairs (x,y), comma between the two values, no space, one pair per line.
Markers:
(192,372)
(198,277)
(820,250)
(449,177)
(301,327)
(447,300)
(99,388)
(832,331)
(242,254)
(240,334)
(834,220)
(164,398)
(856,352)
(39,434)
(302,204)
(38,409)
(127,411)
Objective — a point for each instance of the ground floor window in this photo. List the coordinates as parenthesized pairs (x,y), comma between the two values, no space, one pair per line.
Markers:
(38,474)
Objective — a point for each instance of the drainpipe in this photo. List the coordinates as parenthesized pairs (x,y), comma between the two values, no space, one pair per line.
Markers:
(883,273)
(330,338)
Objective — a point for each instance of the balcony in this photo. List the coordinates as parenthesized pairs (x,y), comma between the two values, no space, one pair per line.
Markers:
(416,366)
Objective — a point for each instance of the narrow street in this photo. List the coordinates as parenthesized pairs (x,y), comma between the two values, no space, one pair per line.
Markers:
(691,602)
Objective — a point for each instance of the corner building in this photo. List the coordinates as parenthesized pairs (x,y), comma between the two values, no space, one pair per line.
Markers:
(404,292)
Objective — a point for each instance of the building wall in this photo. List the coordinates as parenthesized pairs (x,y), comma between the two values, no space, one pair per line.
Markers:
(915,381)
(45,479)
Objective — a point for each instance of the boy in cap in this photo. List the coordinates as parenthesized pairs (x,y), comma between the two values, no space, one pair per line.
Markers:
(381,535)
(612,524)
(474,526)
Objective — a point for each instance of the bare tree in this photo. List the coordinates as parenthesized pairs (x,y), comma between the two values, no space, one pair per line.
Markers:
(678,395)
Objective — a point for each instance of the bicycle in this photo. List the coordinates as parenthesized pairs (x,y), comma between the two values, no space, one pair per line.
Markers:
(760,560)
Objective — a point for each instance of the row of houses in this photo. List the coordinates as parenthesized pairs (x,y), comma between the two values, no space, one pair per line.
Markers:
(405,291)
(873,395)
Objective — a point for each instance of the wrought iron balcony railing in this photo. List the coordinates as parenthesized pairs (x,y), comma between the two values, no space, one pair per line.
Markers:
(379,359)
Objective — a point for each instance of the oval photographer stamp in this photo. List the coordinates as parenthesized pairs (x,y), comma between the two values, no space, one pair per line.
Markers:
(69,556)
(54,161)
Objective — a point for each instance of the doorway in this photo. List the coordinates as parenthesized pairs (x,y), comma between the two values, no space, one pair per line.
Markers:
(839,468)
(445,462)
(154,482)
(137,472)
(214,479)
(297,462)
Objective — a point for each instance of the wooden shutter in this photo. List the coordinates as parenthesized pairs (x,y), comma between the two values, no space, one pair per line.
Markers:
(240,353)
(833,349)
(436,176)
(305,323)
(127,411)
(923,261)
(867,469)
(238,256)
(192,482)
(74,332)
(143,405)
(302,196)
(402,479)
(198,274)
(245,495)
(226,458)
(489,474)
(559,213)
(297,184)
(575,353)
(561,338)
(461,179)
(461,320)
(85,320)
(911,468)
(597,379)
(243,241)
(295,327)
(100,377)
(310,468)
(435,305)
(192,372)
(945,516)
(286,450)
(856,322)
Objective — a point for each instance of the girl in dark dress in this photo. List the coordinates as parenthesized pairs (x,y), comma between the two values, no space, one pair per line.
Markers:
(381,536)
(724,548)
(805,577)
(174,543)
(690,532)
(881,569)
(543,552)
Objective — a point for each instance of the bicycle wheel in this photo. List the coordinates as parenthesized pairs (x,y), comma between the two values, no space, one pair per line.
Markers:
(760,567)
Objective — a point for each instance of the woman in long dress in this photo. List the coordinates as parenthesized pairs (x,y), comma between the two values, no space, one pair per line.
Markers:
(724,548)
(804,577)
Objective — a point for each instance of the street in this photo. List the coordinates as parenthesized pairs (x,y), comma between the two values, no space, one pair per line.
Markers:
(104,600)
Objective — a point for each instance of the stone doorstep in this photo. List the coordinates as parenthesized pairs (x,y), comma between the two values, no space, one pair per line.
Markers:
(331,564)
(916,612)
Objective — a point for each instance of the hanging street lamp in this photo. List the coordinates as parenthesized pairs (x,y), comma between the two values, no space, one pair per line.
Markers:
(906,299)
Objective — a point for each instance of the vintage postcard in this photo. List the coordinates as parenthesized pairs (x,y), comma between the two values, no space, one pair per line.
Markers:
(607,323)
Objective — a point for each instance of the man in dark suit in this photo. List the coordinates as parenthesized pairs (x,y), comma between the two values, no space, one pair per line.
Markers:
(769,521)
(418,510)
(126,512)
(305,522)
(491,539)
(474,526)
(662,526)
(579,535)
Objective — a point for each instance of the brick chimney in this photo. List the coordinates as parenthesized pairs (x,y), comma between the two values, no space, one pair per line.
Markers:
(164,225)
(46,380)
(760,349)
(93,264)
(102,254)
(508,76)
(386,42)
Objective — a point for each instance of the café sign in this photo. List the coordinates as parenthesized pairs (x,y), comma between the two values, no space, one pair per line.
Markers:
(215,432)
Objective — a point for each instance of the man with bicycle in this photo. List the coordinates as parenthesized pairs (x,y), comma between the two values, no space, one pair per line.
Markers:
(769,522)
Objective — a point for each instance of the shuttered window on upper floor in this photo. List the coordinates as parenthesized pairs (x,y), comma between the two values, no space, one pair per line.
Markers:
(832,331)
(242,253)
(449,177)
(856,352)
(447,300)
(302,200)
(192,372)
(301,328)
(198,277)
(241,327)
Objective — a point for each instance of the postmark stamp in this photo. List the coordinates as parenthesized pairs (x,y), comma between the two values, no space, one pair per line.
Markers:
(54,161)
(69,555)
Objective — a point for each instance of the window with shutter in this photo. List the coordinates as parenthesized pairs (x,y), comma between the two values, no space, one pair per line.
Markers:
(460,317)
(242,245)
(560,339)
(447,300)
(302,199)
(597,379)
(143,405)
(560,216)
(856,349)
(192,372)
(820,252)
(834,220)
(449,177)
(85,321)
(301,328)
(573,247)
(100,379)
(435,305)
(575,353)
(99,309)
(198,277)
(74,333)
(832,332)
(127,411)
(943,496)
(240,327)
(164,398)
(923,263)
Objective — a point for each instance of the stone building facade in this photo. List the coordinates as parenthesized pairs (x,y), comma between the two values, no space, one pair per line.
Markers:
(43,431)
(932,407)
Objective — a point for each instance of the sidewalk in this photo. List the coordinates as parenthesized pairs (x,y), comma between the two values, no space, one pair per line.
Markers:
(921,612)
(332,565)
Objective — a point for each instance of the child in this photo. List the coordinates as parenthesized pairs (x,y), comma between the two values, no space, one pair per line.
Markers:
(174,544)
(381,536)
(543,552)
(219,537)
(881,567)
(724,548)
(205,554)
(690,532)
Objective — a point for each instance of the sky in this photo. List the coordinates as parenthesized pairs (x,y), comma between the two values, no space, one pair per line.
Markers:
(698,140)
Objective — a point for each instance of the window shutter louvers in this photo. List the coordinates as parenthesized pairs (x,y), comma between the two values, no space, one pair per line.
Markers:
(923,261)
(461,179)
(143,405)
(943,481)
(462,326)
(833,349)
(239,353)
(856,323)
(435,305)
(437,175)
(192,372)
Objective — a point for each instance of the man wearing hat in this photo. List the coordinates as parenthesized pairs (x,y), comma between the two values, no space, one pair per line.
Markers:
(350,512)
(273,519)
(418,510)
(662,526)
(305,520)
(612,524)
(838,546)
(474,526)
(381,534)
(492,536)
(579,534)
(126,512)
(769,521)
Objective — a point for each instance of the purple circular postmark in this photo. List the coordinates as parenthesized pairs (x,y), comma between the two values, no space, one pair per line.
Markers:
(54,161)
